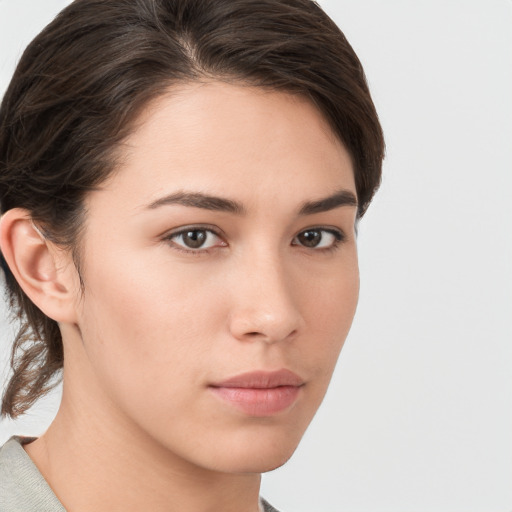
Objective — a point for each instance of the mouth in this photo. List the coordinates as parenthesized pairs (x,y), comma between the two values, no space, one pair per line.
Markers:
(260,393)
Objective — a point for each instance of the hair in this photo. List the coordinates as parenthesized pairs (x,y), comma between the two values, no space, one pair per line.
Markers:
(82,82)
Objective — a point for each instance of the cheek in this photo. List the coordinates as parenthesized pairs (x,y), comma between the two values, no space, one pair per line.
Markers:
(147,328)
(331,307)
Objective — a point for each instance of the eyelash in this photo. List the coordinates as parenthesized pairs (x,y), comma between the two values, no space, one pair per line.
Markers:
(339,238)
(196,252)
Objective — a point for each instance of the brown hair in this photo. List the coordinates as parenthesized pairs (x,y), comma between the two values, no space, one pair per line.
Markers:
(81,83)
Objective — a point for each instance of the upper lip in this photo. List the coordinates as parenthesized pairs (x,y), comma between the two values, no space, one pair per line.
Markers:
(261,380)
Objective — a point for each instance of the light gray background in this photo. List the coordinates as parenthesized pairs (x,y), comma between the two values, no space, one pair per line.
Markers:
(419,414)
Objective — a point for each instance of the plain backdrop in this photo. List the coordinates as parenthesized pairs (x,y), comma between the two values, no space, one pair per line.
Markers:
(419,413)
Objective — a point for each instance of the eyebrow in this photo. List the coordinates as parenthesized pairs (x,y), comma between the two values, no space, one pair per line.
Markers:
(200,200)
(208,202)
(339,198)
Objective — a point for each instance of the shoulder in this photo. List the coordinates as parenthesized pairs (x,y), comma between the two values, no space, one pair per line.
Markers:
(267,507)
(22,487)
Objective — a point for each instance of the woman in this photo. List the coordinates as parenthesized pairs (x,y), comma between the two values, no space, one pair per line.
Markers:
(180,186)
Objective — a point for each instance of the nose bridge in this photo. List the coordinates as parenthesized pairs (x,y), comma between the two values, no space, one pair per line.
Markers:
(264,303)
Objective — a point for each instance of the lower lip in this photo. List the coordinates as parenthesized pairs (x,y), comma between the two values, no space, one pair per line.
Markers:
(257,401)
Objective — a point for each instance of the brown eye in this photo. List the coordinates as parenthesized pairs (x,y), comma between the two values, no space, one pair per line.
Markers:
(310,238)
(318,238)
(196,239)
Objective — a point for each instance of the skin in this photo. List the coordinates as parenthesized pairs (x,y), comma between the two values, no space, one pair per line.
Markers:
(158,322)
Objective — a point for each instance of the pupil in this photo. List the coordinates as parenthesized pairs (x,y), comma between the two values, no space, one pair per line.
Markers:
(194,239)
(310,238)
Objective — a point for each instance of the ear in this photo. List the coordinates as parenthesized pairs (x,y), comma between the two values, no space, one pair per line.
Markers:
(45,272)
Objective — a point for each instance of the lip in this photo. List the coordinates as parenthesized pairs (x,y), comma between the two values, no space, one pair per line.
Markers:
(260,393)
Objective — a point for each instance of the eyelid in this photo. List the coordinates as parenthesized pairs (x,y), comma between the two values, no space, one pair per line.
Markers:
(191,227)
(338,233)
(330,229)
(176,232)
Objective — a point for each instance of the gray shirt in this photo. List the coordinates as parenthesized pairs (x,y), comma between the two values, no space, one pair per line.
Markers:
(23,488)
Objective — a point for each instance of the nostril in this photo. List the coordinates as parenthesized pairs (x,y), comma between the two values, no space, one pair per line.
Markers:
(270,338)
(265,324)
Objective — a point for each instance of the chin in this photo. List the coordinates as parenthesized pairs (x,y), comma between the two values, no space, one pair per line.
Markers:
(259,464)
(275,464)
(257,455)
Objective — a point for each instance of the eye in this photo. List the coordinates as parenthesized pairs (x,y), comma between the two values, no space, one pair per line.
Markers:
(319,238)
(195,239)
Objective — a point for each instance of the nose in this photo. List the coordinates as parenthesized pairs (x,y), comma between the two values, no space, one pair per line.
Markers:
(264,304)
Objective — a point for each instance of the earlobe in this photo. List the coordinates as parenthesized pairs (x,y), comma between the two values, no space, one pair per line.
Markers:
(39,267)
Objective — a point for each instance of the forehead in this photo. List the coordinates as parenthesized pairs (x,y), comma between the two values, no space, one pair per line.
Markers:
(231,140)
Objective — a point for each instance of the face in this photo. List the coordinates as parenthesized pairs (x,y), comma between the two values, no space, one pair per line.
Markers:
(221,276)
